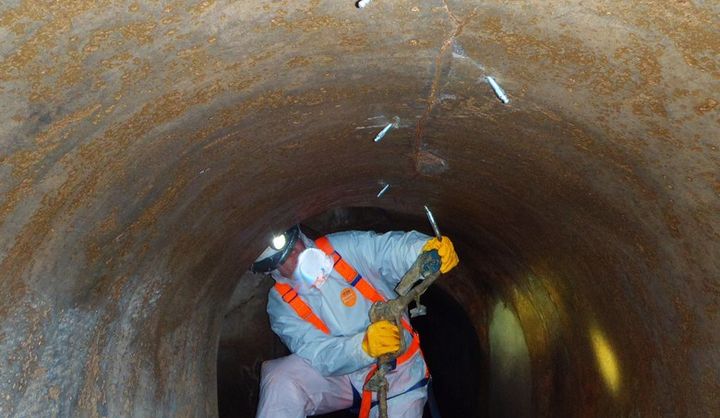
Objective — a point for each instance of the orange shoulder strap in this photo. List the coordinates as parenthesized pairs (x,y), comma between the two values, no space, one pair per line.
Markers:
(353,278)
(366,289)
(290,296)
(348,272)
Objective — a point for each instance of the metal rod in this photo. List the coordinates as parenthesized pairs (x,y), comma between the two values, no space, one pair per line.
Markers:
(383,190)
(434,225)
(499,92)
(395,124)
(383,132)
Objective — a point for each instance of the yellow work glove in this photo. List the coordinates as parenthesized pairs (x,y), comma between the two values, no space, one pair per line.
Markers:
(381,337)
(446,251)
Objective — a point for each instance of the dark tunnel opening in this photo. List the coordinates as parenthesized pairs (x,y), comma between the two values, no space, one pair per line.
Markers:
(457,358)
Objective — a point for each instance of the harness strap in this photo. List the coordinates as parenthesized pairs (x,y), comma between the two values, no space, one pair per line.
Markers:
(366,402)
(425,381)
(351,276)
(355,280)
(290,296)
(348,272)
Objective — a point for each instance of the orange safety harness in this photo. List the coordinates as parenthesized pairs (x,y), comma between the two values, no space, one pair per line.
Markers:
(291,297)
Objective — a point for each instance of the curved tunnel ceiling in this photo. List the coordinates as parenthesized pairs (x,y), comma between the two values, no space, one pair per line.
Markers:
(149,149)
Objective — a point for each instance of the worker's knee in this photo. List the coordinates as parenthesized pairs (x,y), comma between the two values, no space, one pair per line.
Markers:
(281,376)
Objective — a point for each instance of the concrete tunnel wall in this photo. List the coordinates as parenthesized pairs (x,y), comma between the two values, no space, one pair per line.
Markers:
(148,149)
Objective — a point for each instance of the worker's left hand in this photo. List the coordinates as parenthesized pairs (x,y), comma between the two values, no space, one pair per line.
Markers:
(446,251)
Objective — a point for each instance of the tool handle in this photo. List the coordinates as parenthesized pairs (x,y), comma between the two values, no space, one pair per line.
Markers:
(426,269)
(425,266)
(382,402)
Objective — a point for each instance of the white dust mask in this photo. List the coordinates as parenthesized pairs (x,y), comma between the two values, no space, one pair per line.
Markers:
(314,267)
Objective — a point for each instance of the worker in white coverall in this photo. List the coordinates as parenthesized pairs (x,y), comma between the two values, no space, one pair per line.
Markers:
(334,347)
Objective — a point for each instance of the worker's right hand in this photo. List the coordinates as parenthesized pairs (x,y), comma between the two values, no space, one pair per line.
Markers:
(446,251)
(381,337)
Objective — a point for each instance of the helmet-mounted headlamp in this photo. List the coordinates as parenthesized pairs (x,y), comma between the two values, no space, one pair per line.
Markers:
(283,245)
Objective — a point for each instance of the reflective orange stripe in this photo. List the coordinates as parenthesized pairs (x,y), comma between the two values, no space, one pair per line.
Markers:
(365,288)
(290,296)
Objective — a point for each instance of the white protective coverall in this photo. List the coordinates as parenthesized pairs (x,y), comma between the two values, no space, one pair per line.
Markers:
(316,378)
